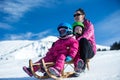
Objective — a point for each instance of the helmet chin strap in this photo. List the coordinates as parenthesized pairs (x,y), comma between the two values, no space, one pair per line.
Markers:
(63,36)
(67,36)
(77,34)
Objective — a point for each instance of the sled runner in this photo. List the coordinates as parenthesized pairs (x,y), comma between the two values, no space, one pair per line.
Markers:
(49,75)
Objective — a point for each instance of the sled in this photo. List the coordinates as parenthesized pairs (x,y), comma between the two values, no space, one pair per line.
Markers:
(49,75)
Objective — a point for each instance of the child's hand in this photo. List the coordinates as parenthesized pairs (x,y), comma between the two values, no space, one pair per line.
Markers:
(68,59)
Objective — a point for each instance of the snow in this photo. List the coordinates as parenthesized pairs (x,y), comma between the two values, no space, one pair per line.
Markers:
(103,47)
(15,54)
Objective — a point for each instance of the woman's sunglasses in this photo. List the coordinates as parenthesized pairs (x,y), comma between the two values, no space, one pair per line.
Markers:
(77,15)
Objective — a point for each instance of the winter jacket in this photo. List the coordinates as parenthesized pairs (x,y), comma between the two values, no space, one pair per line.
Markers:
(58,52)
(67,47)
(89,34)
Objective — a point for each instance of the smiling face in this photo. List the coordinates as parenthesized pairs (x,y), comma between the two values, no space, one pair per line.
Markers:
(78,30)
(79,16)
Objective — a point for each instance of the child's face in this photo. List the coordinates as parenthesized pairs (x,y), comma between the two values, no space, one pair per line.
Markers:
(78,30)
(62,32)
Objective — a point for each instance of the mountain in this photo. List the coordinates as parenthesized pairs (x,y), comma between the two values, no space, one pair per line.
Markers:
(23,48)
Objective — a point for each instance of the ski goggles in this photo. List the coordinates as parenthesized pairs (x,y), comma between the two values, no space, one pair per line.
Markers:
(62,32)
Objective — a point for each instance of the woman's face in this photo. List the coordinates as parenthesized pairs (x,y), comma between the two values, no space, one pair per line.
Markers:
(78,16)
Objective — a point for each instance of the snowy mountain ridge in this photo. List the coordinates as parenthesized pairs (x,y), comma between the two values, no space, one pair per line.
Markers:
(28,49)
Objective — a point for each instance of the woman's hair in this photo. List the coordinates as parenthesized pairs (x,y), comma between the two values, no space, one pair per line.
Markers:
(81,10)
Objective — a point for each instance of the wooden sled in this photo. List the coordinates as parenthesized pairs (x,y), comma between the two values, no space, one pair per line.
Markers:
(46,66)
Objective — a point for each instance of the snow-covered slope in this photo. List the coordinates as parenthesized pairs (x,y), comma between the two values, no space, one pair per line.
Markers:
(16,54)
(103,47)
(27,48)
(22,49)
(104,66)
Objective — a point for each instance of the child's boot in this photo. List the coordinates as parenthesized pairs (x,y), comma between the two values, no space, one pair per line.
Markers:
(28,71)
(54,71)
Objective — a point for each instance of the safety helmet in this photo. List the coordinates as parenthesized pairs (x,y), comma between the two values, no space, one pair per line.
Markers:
(77,24)
(67,29)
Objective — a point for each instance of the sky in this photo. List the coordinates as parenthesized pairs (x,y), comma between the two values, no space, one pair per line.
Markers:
(35,19)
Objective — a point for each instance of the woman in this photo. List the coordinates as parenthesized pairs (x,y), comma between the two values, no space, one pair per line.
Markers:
(87,44)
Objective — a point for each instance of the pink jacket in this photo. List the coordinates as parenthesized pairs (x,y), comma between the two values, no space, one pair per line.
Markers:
(89,34)
(67,47)
(58,52)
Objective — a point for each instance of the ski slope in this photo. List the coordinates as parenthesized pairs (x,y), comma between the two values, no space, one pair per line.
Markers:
(104,66)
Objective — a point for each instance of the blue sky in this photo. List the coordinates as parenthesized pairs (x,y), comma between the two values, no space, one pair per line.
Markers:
(35,19)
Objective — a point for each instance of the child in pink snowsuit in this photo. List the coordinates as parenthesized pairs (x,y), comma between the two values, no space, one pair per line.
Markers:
(65,46)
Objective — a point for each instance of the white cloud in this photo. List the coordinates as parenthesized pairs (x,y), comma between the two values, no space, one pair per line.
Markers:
(25,36)
(5,26)
(41,34)
(109,28)
(16,8)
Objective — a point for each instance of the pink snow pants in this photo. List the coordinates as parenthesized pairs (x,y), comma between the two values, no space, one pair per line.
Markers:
(58,60)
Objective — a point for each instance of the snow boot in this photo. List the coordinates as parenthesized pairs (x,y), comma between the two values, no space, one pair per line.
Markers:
(54,71)
(28,71)
(42,69)
(79,68)
(45,74)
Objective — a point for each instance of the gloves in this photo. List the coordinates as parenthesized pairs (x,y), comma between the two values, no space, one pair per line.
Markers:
(68,59)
